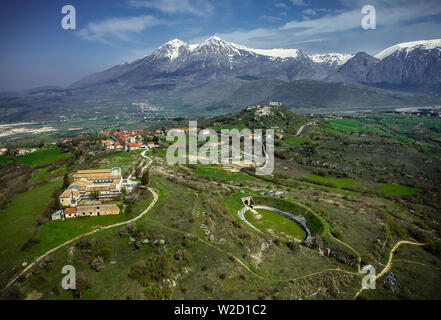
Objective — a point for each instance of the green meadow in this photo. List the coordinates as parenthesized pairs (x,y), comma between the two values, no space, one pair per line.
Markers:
(397,190)
(276,225)
(297,141)
(18,224)
(42,157)
(4,159)
(338,182)
(219,173)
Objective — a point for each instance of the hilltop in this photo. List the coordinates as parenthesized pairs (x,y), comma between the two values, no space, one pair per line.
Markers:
(262,117)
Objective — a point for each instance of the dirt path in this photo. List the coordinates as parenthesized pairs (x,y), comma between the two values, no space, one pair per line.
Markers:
(388,266)
(249,269)
(389,263)
(151,205)
(299,132)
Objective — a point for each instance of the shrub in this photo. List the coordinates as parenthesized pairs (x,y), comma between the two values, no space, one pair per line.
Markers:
(84,243)
(293,246)
(30,244)
(12,293)
(337,233)
(207,287)
(395,227)
(97,264)
(82,284)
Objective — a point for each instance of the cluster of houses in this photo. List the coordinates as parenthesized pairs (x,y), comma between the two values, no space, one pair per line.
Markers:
(125,140)
(103,185)
(159,133)
(184,129)
(24,151)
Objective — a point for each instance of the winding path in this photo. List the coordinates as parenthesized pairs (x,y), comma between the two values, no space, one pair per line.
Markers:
(147,210)
(388,266)
(299,132)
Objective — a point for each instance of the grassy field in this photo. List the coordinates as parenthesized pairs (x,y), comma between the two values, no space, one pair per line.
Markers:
(56,232)
(275,225)
(297,141)
(315,223)
(387,189)
(123,160)
(338,182)
(219,173)
(44,174)
(405,128)
(17,225)
(42,157)
(397,190)
(4,159)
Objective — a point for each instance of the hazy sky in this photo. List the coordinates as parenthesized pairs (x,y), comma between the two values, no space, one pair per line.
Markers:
(36,51)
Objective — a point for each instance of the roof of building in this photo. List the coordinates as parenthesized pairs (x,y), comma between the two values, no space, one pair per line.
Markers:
(97,205)
(98,174)
(135,145)
(57,213)
(70,210)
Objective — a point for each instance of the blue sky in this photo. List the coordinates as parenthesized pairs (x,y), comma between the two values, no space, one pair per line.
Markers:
(36,51)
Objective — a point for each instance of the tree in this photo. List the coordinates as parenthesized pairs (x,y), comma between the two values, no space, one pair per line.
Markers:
(82,284)
(66,181)
(55,203)
(123,194)
(145,177)
(95,195)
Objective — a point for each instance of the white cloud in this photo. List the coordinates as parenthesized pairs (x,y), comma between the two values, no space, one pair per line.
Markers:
(118,27)
(300,3)
(309,12)
(194,7)
(270,18)
(334,26)
(281,5)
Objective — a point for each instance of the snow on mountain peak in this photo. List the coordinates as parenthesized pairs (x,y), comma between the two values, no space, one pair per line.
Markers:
(173,49)
(330,58)
(176,43)
(409,46)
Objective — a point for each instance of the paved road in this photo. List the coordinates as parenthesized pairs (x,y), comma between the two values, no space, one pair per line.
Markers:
(152,204)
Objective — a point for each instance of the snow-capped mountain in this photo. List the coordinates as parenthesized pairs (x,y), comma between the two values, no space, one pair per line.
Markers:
(416,63)
(220,76)
(414,66)
(408,47)
(356,69)
(178,65)
(331,59)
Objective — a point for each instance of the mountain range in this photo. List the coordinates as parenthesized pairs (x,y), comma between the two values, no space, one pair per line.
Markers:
(176,63)
(220,74)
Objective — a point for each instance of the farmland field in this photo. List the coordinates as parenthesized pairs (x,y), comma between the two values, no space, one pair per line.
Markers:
(42,157)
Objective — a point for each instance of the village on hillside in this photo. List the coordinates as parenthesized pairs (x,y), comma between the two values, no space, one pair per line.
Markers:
(125,140)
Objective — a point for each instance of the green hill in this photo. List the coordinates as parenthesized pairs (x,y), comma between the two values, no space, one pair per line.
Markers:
(263,117)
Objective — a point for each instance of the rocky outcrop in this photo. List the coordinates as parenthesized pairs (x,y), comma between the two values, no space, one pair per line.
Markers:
(391,282)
